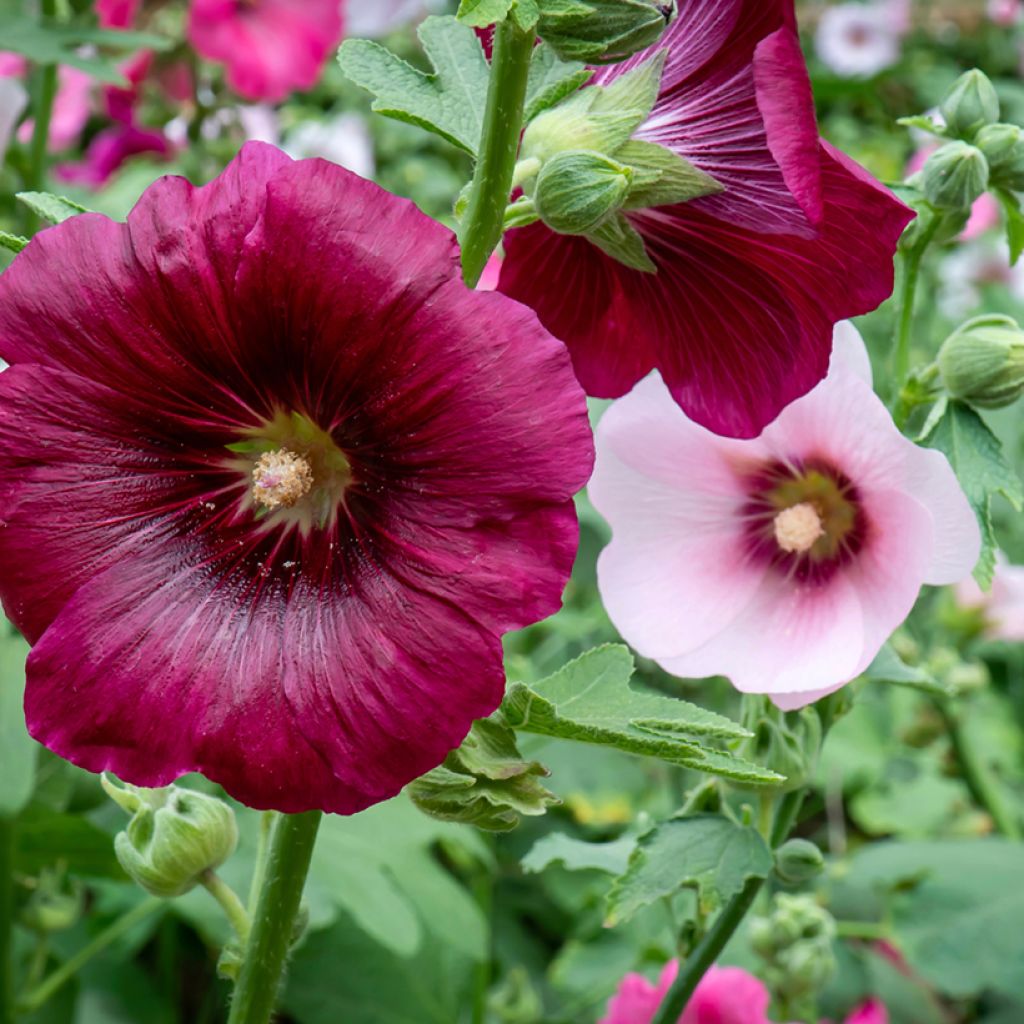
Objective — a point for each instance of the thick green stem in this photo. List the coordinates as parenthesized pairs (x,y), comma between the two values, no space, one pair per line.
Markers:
(6,921)
(60,977)
(906,293)
(499,145)
(980,783)
(273,927)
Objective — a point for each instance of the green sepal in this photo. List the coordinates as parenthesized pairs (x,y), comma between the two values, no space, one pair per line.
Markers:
(485,782)
(923,123)
(53,209)
(675,179)
(526,14)
(617,238)
(520,214)
(481,13)
(449,102)
(1014,220)
(636,90)
(12,243)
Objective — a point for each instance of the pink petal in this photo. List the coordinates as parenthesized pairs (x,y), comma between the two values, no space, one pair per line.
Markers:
(872,1011)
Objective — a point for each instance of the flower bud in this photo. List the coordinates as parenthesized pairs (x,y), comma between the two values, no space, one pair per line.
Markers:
(602,31)
(795,941)
(578,189)
(982,362)
(1003,146)
(955,176)
(175,835)
(798,861)
(970,103)
(55,904)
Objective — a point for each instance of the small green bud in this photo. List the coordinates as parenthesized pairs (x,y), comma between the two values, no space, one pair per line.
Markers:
(970,103)
(602,31)
(955,176)
(175,835)
(1003,146)
(982,362)
(578,189)
(55,905)
(798,861)
(785,742)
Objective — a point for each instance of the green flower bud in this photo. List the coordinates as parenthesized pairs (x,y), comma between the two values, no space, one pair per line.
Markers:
(970,103)
(795,941)
(1003,146)
(602,31)
(578,189)
(982,362)
(785,742)
(798,861)
(55,905)
(174,837)
(955,176)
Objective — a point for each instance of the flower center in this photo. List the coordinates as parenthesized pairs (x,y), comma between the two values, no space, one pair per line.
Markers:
(798,527)
(280,479)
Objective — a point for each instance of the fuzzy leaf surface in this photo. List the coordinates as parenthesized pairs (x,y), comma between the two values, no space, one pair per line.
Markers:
(551,80)
(53,209)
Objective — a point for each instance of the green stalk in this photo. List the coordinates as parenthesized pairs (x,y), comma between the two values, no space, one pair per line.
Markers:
(44,92)
(910,260)
(234,909)
(6,921)
(499,145)
(266,953)
(60,977)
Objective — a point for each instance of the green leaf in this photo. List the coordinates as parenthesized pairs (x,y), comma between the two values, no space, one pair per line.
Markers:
(51,208)
(485,782)
(1014,222)
(551,80)
(922,122)
(481,13)
(977,458)
(579,855)
(675,180)
(526,14)
(449,102)
(43,838)
(13,243)
(889,667)
(590,700)
(706,852)
(17,749)
(619,239)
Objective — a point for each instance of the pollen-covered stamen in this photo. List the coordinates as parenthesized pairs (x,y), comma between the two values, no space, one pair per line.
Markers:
(798,527)
(281,479)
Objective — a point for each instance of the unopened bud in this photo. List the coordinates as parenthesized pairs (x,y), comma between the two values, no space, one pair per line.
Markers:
(578,189)
(982,362)
(798,861)
(955,176)
(54,906)
(1003,146)
(970,103)
(175,835)
(602,31)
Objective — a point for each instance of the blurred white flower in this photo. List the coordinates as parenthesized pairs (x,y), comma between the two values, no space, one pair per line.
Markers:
(259,123)
(969,267)
(859,40)
(344,139)
(366,19)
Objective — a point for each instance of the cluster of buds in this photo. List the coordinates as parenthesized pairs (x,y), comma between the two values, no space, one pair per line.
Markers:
(787,742)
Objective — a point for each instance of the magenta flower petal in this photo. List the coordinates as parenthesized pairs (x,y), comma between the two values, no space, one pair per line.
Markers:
(270,47)
(739,317)
(320,655)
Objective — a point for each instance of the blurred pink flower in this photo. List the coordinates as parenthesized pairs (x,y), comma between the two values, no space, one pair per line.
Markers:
(857,40)
(872,1011)
(13,100)
(109,150)
(70,107)
(269,47)
(783,562)
(1005,12)
(492,271)
(1002,606)
(117,13)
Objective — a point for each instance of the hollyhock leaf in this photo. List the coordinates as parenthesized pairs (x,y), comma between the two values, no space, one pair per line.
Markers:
(12,243)
(51,208)
(449,102)
(17,750)
(705,852)
(677,181)
(579,855)
(922,122)
(45,837)
(551,80)
(889,667)
(481,13)
(619,239)
(526,14)
(977,458)
(1014,222)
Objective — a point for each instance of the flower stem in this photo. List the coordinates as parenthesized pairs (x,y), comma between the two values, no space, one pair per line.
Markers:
(67,970)
(909,274)
(499,144)
(978,778)
(288,857)
(6,921)
(229,902)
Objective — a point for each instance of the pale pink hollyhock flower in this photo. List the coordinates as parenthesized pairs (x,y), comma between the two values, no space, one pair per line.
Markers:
(269,47)
(1004,12)
(785,561)
(859,40)
(1002,606)
(367,19)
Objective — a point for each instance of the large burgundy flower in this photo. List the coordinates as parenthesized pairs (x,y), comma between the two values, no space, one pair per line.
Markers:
(273,483)
(750,281)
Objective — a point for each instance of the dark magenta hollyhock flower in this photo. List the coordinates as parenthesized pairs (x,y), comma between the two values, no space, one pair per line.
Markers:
(738,318)
(269,47)
(273,483)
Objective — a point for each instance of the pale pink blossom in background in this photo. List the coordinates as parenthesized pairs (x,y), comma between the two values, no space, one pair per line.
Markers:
(856,40)
(13,101)
(344,139)
(783,562)
(981,262)
(1002,605)
(1005,12)
(367,19)
(71,106)
(270,48)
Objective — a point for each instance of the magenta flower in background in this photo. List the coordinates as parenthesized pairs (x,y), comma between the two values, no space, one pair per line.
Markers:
(117,13)
(109,150)
(738,319)
(270,48)
(783,562)
(274,485)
